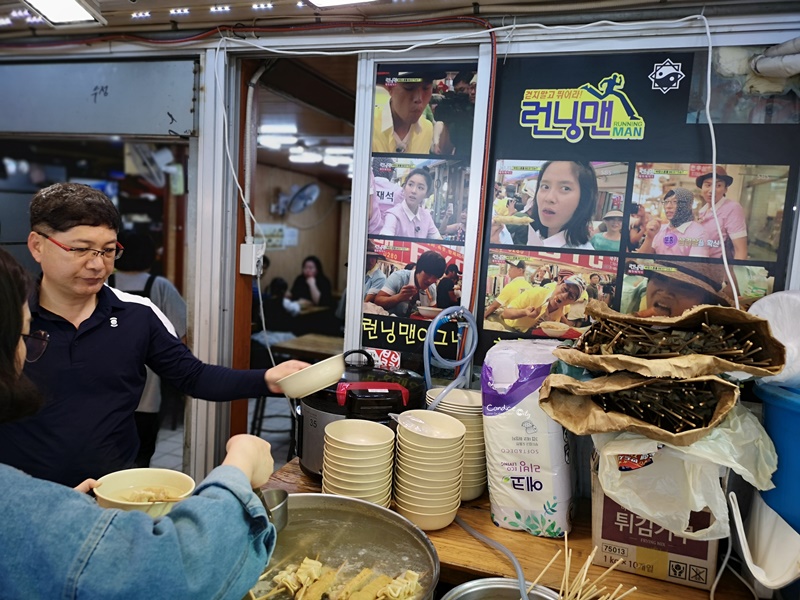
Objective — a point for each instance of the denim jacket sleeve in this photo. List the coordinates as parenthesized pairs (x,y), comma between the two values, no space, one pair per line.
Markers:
(214,544)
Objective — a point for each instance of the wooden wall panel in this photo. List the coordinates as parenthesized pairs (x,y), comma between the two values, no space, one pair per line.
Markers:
(320,228)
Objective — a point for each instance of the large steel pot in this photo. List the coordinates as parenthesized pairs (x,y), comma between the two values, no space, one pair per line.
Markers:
(496,588)
(358,534)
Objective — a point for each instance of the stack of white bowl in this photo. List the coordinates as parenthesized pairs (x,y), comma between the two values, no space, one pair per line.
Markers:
(357,460)
(467,407)
(429,463)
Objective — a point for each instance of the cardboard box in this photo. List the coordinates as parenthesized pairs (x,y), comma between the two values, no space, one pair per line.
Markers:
(647,548)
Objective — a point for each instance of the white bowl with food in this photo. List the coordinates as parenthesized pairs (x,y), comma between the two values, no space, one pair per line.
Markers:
(554,328)
(429,312)
(150,490)
(313,378)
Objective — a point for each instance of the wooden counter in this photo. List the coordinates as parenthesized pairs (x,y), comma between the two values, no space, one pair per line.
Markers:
(463,558)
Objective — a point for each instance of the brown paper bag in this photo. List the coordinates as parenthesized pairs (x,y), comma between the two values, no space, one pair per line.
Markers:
(568,401)
(684,366)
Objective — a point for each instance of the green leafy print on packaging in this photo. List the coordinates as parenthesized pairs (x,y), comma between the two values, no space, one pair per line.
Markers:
(541,526)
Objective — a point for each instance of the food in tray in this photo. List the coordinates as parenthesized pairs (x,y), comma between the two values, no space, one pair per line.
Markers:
(311,580)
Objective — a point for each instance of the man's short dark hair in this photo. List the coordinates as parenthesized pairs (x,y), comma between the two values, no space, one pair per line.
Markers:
(62,206)
(432,263)
(452,268)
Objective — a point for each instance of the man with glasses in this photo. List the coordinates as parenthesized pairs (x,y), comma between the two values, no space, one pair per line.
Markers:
(100,340)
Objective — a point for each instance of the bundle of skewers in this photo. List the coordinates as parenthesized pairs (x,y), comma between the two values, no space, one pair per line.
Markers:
(613,336)
(581,586)
(671,405)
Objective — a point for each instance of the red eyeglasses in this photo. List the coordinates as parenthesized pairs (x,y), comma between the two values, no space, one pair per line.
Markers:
(108,254)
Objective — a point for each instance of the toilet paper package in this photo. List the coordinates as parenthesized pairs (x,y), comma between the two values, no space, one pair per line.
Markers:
(527,453)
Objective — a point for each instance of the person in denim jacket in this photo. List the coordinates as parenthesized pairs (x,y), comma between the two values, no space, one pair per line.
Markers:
(58,543)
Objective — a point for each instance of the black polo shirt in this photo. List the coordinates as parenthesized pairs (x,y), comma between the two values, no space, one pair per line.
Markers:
(92,379)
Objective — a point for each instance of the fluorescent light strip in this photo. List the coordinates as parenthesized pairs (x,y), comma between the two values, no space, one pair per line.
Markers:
(66,12)
(332,3)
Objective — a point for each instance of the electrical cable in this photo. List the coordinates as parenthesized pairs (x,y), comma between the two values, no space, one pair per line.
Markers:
(498,546)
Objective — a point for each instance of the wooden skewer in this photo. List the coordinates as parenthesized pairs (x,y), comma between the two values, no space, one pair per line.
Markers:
(543,571)
(630,591)
(565,577)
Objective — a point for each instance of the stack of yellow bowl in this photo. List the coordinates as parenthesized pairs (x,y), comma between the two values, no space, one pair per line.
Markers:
(357,460)
(467,407)
(429,466)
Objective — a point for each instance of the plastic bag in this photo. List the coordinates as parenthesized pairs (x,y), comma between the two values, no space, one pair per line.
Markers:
(685,479)
(527,453)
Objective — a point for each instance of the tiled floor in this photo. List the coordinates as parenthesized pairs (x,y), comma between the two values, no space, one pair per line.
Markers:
(169,448)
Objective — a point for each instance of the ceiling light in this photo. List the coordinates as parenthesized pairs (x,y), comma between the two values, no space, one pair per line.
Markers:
(179,11)
(141,15)
(34,19)
(306,157)
(262,6)
(337,161)
(276,141)
(339,150)
(63,13)
(220,9)
(280,128)
(332,3)
(6,21)
(20,14)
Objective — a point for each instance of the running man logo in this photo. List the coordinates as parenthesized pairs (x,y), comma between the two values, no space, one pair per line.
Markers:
(604,111)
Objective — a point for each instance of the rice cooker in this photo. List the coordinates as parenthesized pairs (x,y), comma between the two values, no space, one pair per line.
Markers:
(363,392)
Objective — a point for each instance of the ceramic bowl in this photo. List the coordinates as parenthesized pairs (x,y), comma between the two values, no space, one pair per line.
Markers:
(347,451)
(347,466)
(554,328)
(430,428)
(410,446)
(313,378)
(429,312)
(360,459)
(430,507)
(359,433)
(428,522)
(121,489)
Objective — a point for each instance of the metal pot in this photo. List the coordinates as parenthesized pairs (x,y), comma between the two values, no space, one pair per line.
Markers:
(364,392)
(497,588)
(346,531)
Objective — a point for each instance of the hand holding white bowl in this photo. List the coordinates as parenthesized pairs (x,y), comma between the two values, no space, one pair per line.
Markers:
(279,371)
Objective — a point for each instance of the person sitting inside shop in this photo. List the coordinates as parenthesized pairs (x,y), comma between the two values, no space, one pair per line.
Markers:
(405,288)
(58,543)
